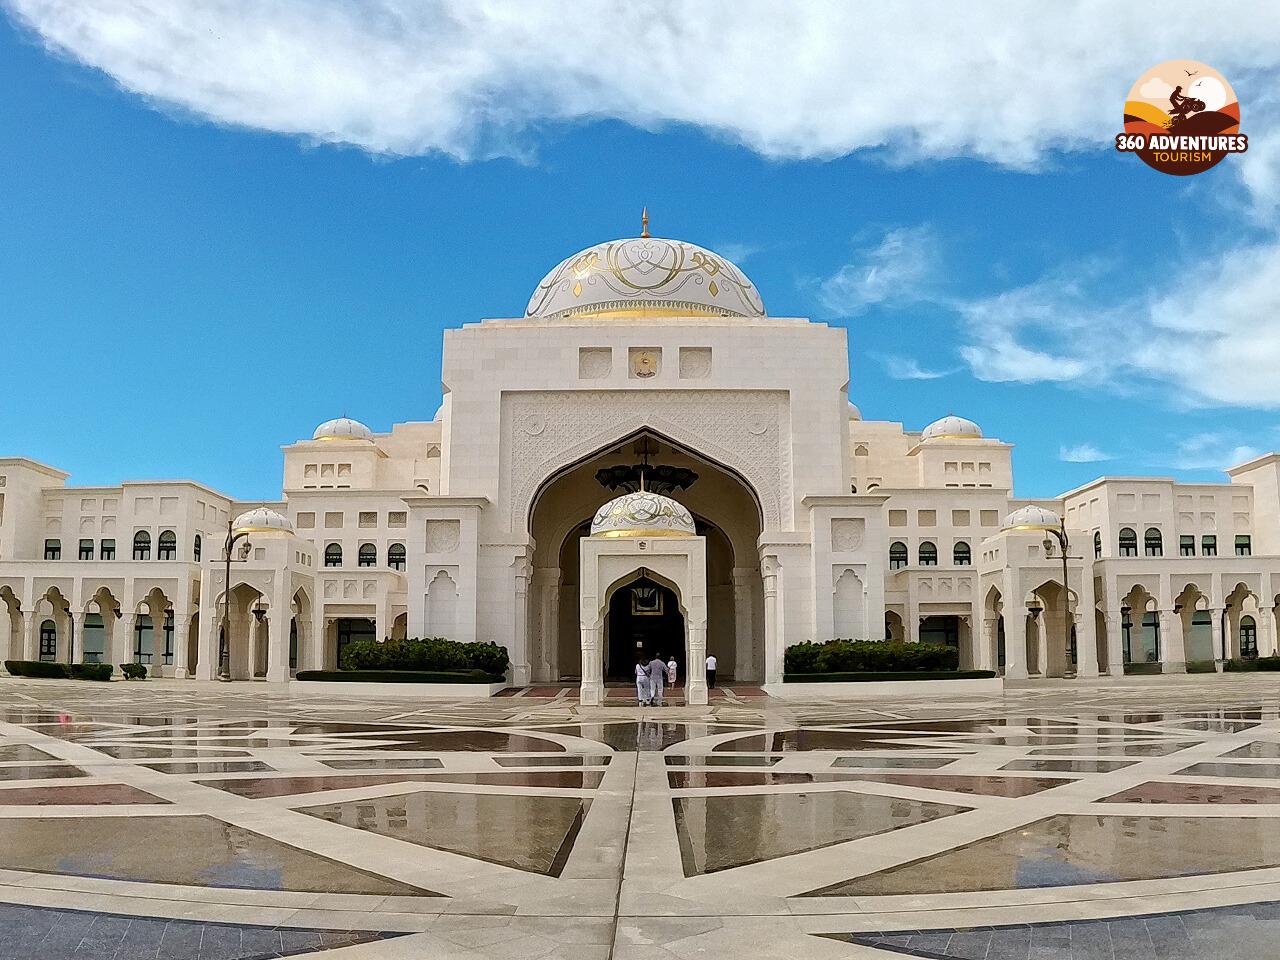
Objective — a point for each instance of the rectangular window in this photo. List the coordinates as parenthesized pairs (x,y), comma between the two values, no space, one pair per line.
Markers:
(990,518)
(927,518)
(1186,545)
(107,550)
(397,518)
(306,521)
(368,518)
(959,518)
(897,518)
(168,639)
(53,549)
(48,641)
(1208,546)
(1244,545)
(86,549)
(333,521)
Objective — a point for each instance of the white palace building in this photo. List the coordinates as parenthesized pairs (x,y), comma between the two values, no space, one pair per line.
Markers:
(646,460)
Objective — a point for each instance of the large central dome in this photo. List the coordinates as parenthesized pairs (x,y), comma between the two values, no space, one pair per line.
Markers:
(645,277)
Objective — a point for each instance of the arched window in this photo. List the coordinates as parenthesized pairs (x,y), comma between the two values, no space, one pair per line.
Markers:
(48,640)
(961,555)
(333,555)
(1248,637)
(1153,543)
(1128,542)
(167,548)
(142,545)
(53,549)
(897,555)
(395,556)
(928,554)
(367,556)
(195,548)
(1097,544)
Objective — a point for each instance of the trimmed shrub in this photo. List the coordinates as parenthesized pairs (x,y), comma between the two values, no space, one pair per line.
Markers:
(433,654)
(401,676)
(1144,669)
(1201,666)
(1247,666)
(133,671)
(43,669)
(91,671)
(869,656)
(888,675)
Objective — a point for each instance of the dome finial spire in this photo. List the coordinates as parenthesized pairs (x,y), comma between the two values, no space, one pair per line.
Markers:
(644,222)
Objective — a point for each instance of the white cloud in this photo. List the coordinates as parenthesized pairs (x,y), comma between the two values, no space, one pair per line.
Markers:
(1082,453)
(908,368)
(1212,337)
(807,79)
(736,252)
(1211,451)
(895,269)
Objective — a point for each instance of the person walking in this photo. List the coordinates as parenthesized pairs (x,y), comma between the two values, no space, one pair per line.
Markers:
(657,673)
(711,671)
(642,682)
(671,673)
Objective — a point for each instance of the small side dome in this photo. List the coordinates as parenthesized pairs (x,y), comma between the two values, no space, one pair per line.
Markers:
(1032,517)
(854,412)
(344,428)
(951,428)
(262,520)
(642,514)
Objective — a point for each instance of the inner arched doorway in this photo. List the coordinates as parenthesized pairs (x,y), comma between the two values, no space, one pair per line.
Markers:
(644,619)
(727,513)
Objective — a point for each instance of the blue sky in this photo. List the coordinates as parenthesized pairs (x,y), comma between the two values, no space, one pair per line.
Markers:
(184,288)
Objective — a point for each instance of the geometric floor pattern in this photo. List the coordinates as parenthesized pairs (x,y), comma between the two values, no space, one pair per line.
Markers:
(186,820)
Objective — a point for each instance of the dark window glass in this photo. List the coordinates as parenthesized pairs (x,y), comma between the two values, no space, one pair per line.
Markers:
(395,556)
(961,556)
(928,554)
(195,549)
(897,555)
(107,550)
(1248,638)
(142,638)
(167,548)
(1128,542)
(48,640)
(1208,545)
(368,555)
(1244,545)
(53,549)
(142,545)
(1187,546)
(86,549)
(1153,543)
(333,555)
(1097,544)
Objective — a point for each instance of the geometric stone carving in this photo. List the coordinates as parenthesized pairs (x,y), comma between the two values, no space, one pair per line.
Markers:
(695,363)
(594,363)
(442,536)
(847,534)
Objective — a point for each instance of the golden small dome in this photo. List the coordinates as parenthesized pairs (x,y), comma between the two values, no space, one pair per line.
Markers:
(642,514)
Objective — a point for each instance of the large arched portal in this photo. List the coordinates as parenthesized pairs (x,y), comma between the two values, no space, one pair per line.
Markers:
(727,514)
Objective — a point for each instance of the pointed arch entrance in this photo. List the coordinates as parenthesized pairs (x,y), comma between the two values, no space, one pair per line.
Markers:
(727,514)
(644,618)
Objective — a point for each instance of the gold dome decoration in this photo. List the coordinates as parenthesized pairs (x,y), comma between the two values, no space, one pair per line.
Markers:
(645,277)
(642,514)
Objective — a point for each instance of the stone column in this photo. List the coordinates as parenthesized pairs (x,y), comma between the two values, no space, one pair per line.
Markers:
(122,639)
(549,623)
(520,669)
(77,636)
(181,635)
(744,656)
(1086,645)
(278,643)
(695,693)
(1015,642)
(988,650)
(1266,632)
(591,693)
(1173,655)
(30,636)
(1115,643)
(772,640)
(1220,652)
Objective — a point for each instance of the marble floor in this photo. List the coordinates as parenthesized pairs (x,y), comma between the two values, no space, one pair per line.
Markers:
(187,820)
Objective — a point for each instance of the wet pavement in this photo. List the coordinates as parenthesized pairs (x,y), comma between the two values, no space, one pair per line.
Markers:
(187,820)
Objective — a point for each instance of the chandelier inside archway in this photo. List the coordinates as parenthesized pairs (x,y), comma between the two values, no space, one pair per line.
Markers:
(660,478)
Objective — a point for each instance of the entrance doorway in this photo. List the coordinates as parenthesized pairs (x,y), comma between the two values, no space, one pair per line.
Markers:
(644,618)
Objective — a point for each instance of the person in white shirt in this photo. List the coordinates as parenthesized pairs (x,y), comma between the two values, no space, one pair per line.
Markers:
(711,671)
(642,683)
(671,672)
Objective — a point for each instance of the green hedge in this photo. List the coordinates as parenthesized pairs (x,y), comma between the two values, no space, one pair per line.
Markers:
(888,675)
(45,669)
(133,671)
(1201,666)
(433,654)
(401,676)
(1249,666)
(1142,668)
(869,656)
